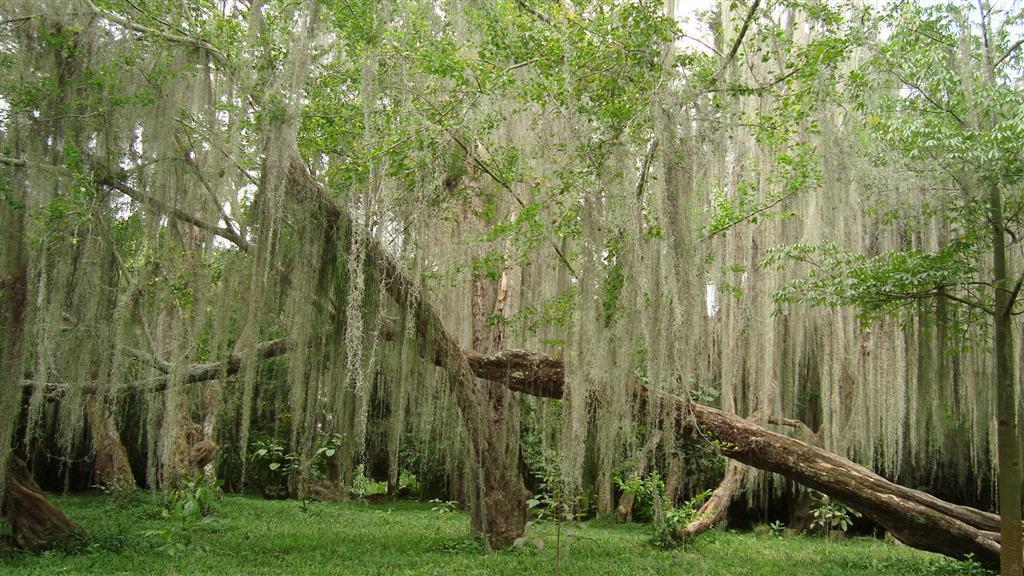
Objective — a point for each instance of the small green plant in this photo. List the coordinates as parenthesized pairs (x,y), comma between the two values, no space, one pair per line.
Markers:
(187,509)
(273,468)
(644,489)
(951,567)
(363,485)
(443,507)
(831,515)
(192,499)
(552,502)
(776,529)
(671,533)
(308,507)
(327,449)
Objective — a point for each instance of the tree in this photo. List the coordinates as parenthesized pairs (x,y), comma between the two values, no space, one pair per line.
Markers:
(940,99)
(194,189)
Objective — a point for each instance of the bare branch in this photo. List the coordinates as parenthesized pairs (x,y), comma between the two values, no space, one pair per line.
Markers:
(111,182)
(176,213)
(1009,52)
(731,55)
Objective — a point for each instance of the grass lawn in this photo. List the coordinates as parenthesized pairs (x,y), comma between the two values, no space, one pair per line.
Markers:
(249,536)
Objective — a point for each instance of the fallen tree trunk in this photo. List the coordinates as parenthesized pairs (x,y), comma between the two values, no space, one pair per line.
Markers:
(915,518)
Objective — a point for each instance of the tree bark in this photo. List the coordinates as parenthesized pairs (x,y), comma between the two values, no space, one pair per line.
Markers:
(712,512)
(915,518)
(500,408)
(36,524)
(1006,412)
(500,490)
(110,468)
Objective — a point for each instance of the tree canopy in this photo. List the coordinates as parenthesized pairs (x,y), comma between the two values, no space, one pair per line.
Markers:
(234,230)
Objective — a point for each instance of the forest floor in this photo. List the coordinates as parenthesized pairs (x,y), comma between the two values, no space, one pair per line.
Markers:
(250,536)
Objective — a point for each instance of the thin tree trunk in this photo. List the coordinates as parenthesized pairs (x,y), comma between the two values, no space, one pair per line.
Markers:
(1012,554)
(1008,440)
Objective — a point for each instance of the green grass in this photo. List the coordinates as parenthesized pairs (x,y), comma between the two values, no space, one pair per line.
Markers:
(252,537)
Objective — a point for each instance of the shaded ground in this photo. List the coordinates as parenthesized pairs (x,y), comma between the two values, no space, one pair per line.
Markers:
(257,537)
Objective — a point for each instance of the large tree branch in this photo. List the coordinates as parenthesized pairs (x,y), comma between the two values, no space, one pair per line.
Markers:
(121,186)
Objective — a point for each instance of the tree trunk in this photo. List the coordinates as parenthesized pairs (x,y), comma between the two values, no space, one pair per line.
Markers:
(712,512)
(499,490)
(1008,440)
(1006,411)
(625,507)
(500,408)
(36,524)
(673,478)
(111,468)
(915,518)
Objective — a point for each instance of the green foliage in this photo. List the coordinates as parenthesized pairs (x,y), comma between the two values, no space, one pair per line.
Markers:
(193,499)
(793,172)
(676,518)
(273,467)
(327,450)
(186,511)
(408,481)
(363,485)
(879,285)
(645,489)
(703,393)
(830,515)
(255,536)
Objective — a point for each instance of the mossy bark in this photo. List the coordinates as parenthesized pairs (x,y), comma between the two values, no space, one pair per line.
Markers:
(36,524)
(111,468)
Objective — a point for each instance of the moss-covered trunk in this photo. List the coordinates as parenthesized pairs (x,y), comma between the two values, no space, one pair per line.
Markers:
(111,468)
(36,524)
